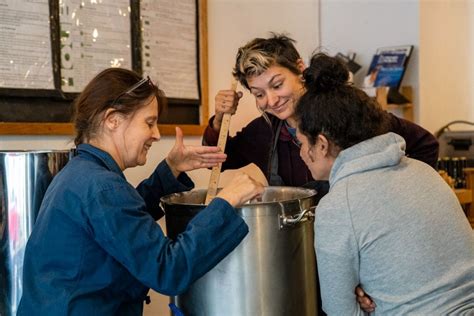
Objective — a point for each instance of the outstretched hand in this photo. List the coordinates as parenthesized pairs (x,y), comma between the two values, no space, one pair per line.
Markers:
(183,158)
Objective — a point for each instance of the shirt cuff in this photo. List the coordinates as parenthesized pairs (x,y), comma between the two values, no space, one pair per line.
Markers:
(210,136)
(169,182)
(226,212)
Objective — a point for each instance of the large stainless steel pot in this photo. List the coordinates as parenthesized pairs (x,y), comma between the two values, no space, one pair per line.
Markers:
(272,272)
(24,178)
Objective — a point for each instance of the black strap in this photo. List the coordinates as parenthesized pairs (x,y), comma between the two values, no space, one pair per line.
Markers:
(275,178)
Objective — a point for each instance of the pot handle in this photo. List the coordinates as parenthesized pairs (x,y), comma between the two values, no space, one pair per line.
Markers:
(292,220)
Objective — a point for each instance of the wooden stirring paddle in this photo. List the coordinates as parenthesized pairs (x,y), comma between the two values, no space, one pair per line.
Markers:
(216,171)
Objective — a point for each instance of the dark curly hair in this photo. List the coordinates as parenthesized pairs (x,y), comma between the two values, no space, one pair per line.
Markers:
(331,106)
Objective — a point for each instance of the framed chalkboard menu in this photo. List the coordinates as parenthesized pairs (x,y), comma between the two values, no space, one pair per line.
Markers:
(55,47)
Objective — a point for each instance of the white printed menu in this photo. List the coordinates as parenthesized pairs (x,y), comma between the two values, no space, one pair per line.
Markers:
(169,46)
(95,35)
(25,45)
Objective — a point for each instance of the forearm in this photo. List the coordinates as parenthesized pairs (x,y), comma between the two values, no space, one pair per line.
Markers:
(205,242)
(210,136)
(162,182)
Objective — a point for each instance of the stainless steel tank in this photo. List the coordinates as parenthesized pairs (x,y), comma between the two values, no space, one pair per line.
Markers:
(272,272)
(24,178)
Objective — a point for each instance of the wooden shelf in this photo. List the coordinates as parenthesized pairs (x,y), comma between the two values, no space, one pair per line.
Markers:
(36,129)
(469,207)
(68,129)
(464,195)
(406,108)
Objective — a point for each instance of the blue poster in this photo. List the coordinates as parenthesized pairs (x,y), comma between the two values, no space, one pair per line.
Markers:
(387,67)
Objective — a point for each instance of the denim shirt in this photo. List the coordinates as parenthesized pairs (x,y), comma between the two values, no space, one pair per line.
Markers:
(96,248)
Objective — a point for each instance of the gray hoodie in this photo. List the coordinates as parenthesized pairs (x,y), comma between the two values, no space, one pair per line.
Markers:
(391,224)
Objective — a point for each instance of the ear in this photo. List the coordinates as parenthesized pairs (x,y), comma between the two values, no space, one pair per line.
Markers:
(322,145)
(300,65)
(112,119)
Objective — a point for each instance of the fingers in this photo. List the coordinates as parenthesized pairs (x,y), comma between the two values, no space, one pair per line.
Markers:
(241,189)
(179,137)
(227,101)
(199,162)
(201,150)
(207,156)
(211,161)
(217,157)
(196,157)
(364,300)
(367,307)
(252,189)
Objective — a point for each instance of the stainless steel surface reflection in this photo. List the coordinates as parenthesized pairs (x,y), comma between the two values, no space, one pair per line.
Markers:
(24,178)
(273,270)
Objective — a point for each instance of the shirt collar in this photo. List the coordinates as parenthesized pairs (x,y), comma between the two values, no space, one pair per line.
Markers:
(88,151)
(285,134)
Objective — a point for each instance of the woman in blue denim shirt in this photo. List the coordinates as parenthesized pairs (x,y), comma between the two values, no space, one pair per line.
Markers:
(96,248)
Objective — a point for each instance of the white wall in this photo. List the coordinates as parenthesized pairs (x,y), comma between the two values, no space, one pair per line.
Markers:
(361,26)
(446,66)
(233,23)
(441,69)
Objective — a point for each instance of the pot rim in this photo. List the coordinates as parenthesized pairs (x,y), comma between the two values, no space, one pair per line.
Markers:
(310,194)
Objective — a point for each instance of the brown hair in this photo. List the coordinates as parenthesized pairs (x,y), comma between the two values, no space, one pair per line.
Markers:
(111,89)
(255,57)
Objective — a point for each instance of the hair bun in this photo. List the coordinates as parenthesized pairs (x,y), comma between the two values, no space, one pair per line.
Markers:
(325,73)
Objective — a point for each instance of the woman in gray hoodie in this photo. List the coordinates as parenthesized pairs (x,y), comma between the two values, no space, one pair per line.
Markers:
(389,223)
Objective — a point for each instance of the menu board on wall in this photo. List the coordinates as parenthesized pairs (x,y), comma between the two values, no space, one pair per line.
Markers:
(94,35)
(169,46)
(25,45)
(51,49)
